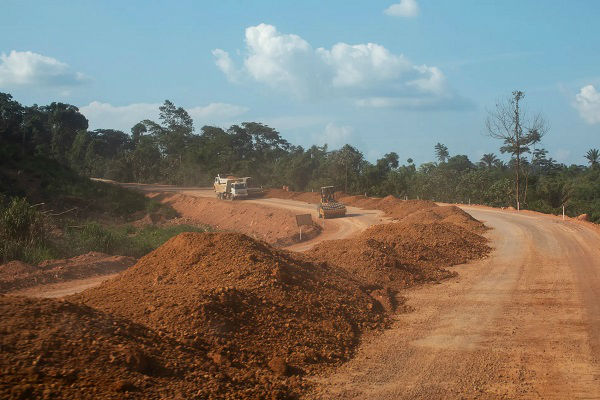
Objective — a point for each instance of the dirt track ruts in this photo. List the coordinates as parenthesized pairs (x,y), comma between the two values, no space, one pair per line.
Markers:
(523,323)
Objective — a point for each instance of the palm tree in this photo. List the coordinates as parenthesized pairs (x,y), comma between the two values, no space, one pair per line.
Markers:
(441,152)
(593,157)
(489,160)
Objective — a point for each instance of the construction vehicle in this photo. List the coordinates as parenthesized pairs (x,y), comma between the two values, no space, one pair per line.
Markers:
(329,207)
(230,188)
(253,190)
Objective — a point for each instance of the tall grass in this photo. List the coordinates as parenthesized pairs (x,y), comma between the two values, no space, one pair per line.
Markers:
(125,240)
(23,231)
(25,236)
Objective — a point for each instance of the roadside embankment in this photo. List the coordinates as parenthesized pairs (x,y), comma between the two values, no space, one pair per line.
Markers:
(276,226)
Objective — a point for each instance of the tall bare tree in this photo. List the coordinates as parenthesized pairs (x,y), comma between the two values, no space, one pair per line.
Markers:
(517,130)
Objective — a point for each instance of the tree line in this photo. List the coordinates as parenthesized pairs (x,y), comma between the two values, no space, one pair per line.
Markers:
(172,151)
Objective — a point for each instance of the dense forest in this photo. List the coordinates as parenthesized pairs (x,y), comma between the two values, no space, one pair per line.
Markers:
(173,151)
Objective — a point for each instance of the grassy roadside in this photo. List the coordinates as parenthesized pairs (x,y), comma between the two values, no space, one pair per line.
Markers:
(125,240)
(30,235)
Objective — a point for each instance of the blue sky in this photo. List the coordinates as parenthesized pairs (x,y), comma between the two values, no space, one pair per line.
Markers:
(397,75)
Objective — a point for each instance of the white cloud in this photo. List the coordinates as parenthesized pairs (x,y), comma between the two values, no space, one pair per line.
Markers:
(406,8)
(587,102)
(289,64)
(25,68)
(293,122)
(225,64)
(335,135)
(216,112)
(105,115)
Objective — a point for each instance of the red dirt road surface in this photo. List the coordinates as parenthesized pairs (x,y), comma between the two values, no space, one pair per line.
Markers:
(20,278)
(523,323)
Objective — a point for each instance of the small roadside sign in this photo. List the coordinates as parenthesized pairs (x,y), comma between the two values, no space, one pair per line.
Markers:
(303,220)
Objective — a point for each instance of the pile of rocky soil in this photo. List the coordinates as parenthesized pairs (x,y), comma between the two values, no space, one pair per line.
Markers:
(418,211)
(267,316)
(401,254)
(272,225)
(58,349)
(16,275)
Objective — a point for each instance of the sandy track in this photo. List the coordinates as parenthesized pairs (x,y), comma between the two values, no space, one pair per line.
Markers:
(523,323)
(62,289)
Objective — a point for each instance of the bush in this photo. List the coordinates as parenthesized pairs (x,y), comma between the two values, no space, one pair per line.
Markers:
(22,231)
(126,240)
(21,222)
(24,235)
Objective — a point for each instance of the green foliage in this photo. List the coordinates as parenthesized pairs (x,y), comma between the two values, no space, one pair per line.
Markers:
(441,152)
(23,231)
(126,240)
(24,235)
(172,151)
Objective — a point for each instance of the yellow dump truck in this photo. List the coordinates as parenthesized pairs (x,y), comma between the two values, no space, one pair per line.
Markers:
(253,189)
(230,188)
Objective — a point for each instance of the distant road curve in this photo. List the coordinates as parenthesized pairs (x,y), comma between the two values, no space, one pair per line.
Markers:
(355,221)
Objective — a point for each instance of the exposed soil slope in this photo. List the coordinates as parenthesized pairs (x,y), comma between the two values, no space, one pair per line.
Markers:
(275,226)
(58,349)
(398,255)
(259,309)
(16,275)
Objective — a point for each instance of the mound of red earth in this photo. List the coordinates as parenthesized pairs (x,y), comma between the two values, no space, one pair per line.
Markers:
(18,275)
(398,255)
(272,225)
(58,349)
(418,211)
(267,316)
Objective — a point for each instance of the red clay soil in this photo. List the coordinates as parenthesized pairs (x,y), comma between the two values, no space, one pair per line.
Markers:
(267,316)
(399,255)
(17,275)
(419,211)
(272,225)
(57,349)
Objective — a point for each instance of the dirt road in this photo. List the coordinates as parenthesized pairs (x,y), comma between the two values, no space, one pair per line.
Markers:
(61,289)
(356,220)
(523,323)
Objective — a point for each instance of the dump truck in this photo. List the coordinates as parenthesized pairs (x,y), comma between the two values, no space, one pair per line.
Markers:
(329,207)
(253,189)
(230,188)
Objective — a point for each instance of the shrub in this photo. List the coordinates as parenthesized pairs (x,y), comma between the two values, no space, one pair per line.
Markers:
(22,230)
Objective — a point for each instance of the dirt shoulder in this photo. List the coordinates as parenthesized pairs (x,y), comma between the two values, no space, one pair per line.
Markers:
(17,275)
